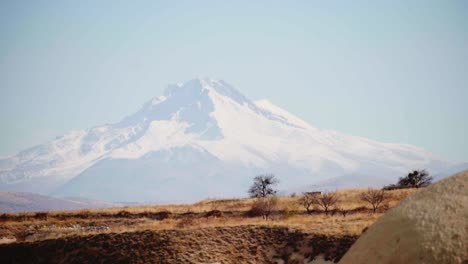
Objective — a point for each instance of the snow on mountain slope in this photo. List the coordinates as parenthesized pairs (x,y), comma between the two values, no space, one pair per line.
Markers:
(150,154)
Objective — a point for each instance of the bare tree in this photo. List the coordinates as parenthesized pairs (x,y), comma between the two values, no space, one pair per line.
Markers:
(263,186)
(374,197)
(326,200)
(308,199)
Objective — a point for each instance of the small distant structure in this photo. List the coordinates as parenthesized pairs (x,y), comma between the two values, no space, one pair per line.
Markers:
(313,193)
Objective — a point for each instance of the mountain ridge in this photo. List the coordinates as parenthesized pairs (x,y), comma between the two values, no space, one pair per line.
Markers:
(233,138)
(13,202)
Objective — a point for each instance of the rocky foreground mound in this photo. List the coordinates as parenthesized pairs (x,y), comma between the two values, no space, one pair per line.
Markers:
(431,226)
(242,244)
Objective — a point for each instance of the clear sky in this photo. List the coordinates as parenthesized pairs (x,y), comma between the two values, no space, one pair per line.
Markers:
(394,71)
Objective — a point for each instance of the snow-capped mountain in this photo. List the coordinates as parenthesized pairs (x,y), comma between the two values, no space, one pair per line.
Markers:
(203,138)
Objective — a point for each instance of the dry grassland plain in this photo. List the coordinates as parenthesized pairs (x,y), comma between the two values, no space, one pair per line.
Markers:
(210,231)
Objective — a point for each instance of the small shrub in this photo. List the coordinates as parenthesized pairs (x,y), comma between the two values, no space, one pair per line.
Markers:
(333,212)
(4,217)
(325,200)
(391,187)
(163,215)
(84,214)
(214,213)
(343,212)
(41,216)
(307,200)
(263,207)
(124,214)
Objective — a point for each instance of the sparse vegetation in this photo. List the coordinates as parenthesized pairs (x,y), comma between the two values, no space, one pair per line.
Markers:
(214,213)
(325,200)
(343,212)
(414,179)
(263,186)
(264,207)
(229,244)
(288,212)
(374,197)
(185,222)
(308,199)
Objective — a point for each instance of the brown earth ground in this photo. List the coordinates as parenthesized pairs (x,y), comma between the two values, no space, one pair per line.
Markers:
(211,231)
(241,244)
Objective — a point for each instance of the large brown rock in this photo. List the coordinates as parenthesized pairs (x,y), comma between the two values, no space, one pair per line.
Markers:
(430,226)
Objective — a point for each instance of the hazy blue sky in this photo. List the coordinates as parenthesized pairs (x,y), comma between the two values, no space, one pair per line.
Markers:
(394,71)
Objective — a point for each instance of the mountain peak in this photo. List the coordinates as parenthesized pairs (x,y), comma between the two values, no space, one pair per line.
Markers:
(197,84)
(193,88)
(202,133)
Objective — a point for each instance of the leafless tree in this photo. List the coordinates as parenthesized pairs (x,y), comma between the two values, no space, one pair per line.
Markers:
(374,197)
(263,186)
(326,200)
(308,199)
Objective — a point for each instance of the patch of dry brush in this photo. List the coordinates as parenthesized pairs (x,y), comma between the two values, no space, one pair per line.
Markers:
(288,212)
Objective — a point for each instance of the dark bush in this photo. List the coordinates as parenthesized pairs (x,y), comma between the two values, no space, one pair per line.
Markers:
(414,179)
(162,215)
(214,213)
(343,212)
(41,216)
(124,214)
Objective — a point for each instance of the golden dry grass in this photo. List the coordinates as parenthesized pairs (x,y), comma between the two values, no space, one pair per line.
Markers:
(289,214)
(241,244)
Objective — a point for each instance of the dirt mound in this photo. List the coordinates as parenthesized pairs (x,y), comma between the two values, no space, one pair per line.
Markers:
(428,227)
(242,244)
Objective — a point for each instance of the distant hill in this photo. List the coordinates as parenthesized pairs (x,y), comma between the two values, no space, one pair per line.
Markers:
(355,181)
(11,202)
